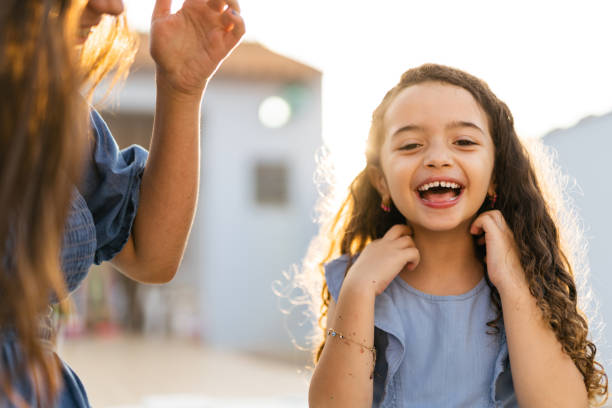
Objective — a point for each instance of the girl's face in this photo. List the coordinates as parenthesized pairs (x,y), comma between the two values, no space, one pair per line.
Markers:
(93,13)
(437,156)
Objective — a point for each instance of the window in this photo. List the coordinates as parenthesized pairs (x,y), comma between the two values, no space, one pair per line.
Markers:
(271,183)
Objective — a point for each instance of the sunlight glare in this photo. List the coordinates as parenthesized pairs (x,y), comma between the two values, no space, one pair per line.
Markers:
(274,112)
(550,76)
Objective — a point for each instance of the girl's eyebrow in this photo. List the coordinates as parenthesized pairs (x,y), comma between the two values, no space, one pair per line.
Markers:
(451,125)
(408,128)
(462,124)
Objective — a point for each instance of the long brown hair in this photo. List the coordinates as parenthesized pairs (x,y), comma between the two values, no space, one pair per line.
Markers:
(42,129)
(521,201)
(39,153)
(110,47)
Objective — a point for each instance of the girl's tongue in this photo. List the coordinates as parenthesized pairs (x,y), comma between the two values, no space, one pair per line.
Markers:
(439,195)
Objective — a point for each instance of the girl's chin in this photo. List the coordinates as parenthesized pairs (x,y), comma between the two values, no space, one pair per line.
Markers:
(442,227)
(441,221)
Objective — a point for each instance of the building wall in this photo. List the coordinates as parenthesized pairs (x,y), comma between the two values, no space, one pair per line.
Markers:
(239,246)
(584,153)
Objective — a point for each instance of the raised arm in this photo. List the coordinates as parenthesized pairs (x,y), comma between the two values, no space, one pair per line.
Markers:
(343,375)
(187,47)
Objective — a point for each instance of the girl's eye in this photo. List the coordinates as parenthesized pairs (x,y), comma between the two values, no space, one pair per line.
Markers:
(464,142)
(409,146)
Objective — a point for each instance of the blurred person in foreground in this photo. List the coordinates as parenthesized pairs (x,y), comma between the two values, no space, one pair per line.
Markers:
(68,197)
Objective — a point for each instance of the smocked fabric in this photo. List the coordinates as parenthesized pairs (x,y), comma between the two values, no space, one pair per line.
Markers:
(79,243)
(434,351)
(99,223)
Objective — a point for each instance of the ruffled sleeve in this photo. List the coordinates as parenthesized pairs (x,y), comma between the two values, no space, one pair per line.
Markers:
(111,188)
(335,271)
(502,387)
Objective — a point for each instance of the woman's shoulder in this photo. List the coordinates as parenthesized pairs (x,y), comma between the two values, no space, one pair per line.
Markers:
(102,140)
(96,120)
(105,149)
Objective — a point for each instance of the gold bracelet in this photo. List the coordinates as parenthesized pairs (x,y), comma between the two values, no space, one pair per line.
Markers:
(334,333)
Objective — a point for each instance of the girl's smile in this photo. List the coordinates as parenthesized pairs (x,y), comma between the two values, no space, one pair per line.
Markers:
(437,156)
(440,192)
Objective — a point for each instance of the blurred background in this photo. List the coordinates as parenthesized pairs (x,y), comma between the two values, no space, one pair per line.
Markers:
(308,75)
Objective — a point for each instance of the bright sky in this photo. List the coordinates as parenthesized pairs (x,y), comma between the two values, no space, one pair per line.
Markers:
(550,61)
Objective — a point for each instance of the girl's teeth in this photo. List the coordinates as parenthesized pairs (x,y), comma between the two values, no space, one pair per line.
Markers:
(445,184)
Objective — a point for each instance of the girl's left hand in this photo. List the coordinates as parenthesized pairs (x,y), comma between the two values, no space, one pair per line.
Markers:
(189,45)
(502,256)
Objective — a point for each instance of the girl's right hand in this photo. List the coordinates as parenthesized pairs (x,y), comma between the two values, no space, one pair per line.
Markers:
(383,259)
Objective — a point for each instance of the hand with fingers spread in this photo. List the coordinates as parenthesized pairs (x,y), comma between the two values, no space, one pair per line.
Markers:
(383,259)
(189,45)
(502,259)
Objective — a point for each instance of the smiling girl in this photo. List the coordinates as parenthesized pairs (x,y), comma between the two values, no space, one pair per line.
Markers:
(449,287)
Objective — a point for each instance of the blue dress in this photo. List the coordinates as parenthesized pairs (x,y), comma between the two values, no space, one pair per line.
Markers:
(98,226)
(434,351)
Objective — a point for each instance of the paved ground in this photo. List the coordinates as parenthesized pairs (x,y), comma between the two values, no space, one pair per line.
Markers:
(137,373)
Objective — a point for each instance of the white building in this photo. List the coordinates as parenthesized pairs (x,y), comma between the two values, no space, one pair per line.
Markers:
(255,211)
(584,153)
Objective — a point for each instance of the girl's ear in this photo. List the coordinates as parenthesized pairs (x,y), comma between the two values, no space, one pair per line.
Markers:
(377,178)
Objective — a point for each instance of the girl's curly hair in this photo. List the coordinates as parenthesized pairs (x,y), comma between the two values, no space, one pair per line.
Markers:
(522,203)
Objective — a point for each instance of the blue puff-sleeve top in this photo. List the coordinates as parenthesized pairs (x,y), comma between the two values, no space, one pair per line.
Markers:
(104,204)
(434,351)
(99,223)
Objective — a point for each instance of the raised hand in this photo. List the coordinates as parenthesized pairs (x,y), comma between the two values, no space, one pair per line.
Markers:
(502,259)
(383,259)
(189,45)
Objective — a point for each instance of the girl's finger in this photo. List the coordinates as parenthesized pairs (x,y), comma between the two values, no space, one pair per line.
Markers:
(413,257)
(481,224)
(476,228)
(404,242)
(499,219)
(397,231)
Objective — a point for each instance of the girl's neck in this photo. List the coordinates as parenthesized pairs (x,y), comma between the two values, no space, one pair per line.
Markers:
(448,264)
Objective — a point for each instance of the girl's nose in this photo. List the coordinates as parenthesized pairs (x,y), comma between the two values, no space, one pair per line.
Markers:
(437,157)
(112,7)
